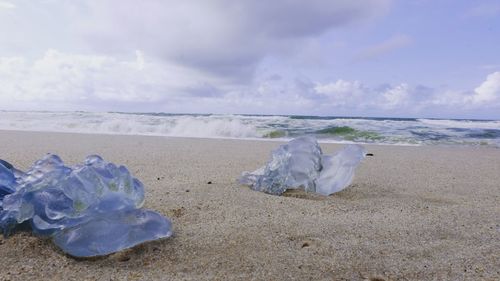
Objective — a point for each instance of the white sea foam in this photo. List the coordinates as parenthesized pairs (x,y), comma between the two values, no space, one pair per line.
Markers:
(366,130)
(465,124)
(129,124)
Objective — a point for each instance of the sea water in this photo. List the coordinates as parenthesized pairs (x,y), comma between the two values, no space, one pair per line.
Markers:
(398,131)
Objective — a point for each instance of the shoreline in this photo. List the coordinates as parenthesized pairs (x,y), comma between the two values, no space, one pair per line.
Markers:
(412,212)
(273,140)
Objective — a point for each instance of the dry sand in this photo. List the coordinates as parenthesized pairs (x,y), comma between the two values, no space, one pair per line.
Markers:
(412,213)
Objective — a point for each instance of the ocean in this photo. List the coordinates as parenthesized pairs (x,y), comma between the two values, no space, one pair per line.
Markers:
(394,131)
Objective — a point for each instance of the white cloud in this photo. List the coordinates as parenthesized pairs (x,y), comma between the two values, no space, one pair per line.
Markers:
(484,9)
(382,48)
(341,93)
(210,56)
(404,100)
(194,55)
(64,81)
(488,91)
(485,98)
(451,98)
(357,97)
(396,97)
(339,87)
(219,37)
(79,80)
(6,5)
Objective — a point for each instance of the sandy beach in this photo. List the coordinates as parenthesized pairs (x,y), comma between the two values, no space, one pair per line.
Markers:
(411,213)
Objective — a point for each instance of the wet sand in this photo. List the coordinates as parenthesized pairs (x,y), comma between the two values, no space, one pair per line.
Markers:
(411,213)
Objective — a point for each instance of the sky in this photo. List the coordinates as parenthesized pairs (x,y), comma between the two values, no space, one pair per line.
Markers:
(411,58)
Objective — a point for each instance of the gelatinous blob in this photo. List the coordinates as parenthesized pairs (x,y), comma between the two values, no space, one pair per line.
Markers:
(90,209)
(108,233)
(7,180)
(6,164)
(301,164)
(338,170)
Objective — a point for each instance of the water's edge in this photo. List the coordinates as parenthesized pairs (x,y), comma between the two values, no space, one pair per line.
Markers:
(393,131)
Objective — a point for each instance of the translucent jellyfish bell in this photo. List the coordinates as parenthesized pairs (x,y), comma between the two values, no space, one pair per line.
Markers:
(300,163)
(88,210)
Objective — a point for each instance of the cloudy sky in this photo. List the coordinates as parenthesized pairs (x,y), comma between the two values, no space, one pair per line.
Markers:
(411,58)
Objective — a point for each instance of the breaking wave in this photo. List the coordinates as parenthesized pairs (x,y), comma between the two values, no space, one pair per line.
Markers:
(328,129)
